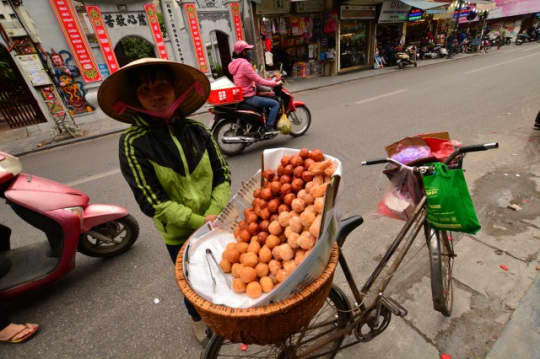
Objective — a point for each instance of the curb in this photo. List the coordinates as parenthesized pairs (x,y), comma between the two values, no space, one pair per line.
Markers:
(317,87)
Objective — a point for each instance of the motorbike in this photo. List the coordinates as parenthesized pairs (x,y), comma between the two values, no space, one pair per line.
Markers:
(69,222)
(522,38)
(427,53)
(407,57)
(442,51)
(239,125)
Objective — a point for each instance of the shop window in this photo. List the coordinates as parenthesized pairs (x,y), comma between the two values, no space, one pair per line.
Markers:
(353,43)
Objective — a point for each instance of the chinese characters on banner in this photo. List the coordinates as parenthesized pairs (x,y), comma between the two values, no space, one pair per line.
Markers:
(123,20)
(196,36)
(153,21)
(76,40)
(237,20)
(103,38)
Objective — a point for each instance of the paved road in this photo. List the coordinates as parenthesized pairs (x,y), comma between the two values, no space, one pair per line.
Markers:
(106,309)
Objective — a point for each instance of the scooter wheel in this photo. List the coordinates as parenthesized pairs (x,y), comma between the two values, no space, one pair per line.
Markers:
(400,65)
(300,121)
(224,128)
(110,239)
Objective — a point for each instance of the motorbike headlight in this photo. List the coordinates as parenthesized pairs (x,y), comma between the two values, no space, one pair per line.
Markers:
(78,211)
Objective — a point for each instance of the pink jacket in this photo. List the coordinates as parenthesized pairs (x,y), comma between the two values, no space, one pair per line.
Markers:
(245,77)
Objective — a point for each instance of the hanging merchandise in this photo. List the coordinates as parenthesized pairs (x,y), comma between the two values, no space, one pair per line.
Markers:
(269,58)
(330,26)
(268,44)
(283,26)
(295,26)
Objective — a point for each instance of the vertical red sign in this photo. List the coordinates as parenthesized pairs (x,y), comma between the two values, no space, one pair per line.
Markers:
(94,14)
(153,21)
(67,19)
(237,20)
(195,30)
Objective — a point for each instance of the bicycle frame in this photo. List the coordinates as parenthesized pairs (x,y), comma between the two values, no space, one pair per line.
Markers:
(416,222)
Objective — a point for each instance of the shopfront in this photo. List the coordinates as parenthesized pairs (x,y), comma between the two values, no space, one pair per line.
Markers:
(391,26)
(294,36)
(356,37)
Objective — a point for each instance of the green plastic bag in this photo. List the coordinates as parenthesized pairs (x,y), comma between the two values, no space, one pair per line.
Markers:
(449,204)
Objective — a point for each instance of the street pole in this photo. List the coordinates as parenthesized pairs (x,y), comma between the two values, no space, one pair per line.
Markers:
(484,22)
(450,49)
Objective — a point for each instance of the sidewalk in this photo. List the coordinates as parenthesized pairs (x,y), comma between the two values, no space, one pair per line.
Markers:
(520,337)
(19,142)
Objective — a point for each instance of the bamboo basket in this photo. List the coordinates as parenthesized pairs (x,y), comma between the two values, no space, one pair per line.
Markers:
(269,324)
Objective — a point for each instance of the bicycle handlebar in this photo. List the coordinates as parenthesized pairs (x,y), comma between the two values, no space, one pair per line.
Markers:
(459,151)
(472,148)
(373,162)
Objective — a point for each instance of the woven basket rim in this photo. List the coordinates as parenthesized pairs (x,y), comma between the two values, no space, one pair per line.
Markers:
(261,311)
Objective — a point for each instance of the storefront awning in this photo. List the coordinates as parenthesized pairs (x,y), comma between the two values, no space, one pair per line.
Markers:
(424,5)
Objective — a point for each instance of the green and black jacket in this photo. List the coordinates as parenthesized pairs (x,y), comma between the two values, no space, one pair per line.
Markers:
(177,174)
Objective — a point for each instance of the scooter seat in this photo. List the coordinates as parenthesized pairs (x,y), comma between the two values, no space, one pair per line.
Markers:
(244,106)
(44,195)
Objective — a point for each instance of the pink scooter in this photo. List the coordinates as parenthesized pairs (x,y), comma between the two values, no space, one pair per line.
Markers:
(69,223)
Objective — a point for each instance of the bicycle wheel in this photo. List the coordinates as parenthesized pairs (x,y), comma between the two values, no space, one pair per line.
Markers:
(441,258)
(336,308)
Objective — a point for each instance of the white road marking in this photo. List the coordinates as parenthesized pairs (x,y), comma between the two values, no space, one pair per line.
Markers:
(380,96)
(93,178)
(500,64)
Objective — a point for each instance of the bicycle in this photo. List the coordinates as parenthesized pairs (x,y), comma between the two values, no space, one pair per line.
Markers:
(337,319)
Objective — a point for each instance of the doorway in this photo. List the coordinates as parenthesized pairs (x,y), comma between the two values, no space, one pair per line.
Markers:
(220,54)
(132,48)
(18,107)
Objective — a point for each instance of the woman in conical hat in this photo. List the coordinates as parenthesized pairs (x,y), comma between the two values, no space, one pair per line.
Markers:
(171,163)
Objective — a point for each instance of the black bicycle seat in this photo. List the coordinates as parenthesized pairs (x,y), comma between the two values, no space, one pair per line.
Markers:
(346,226)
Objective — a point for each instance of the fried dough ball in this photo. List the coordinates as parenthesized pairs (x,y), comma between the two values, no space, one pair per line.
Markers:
(225,265)
(267,284)
(254,290)
(238,285)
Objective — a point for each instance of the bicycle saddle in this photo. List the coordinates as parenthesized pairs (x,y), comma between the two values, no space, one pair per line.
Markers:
(346,226)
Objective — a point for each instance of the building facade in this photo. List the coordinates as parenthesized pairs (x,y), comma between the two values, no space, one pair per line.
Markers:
(80,43)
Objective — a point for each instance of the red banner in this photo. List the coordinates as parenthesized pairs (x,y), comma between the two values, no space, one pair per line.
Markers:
(237,20)
(153,21)
(67,19)
(94,14)
(196,36)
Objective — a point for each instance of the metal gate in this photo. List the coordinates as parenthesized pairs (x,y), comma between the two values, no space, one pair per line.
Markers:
(18,107)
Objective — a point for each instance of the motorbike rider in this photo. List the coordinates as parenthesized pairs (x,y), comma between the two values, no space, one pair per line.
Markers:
(171,163)
(245,77)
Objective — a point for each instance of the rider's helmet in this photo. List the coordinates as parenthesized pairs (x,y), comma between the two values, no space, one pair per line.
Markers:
(240,46)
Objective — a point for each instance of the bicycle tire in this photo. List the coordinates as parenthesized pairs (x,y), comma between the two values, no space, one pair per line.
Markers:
(217,347)
(441,260)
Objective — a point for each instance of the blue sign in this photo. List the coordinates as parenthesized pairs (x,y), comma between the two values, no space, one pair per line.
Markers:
(463,13)
(104,70)
(415,14)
